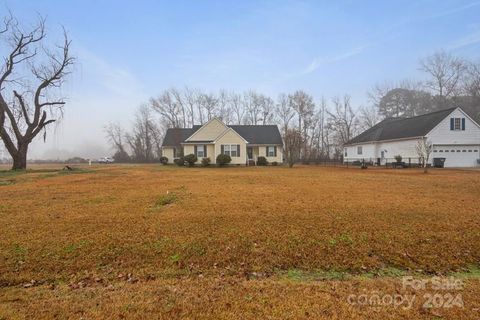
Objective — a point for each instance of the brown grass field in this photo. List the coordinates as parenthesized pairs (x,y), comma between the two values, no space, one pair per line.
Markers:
(161,242)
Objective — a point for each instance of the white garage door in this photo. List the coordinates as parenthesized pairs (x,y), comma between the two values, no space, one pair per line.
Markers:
(458,156)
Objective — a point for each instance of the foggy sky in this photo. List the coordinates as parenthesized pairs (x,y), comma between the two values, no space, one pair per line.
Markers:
(129,52)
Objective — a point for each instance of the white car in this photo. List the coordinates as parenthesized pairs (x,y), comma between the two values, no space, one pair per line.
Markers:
(106,160)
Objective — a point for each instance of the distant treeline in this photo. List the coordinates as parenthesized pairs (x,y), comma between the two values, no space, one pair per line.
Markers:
(324,124)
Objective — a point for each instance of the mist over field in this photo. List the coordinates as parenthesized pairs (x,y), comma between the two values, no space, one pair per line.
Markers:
(127,55)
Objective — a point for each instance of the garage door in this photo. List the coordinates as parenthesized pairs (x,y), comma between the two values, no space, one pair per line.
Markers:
(458,156)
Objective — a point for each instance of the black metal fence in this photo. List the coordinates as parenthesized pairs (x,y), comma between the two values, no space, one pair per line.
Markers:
(411,162)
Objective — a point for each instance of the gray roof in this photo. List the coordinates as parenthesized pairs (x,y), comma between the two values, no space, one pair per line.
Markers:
(398,128)
(268,134)
(175,136)
(254,134)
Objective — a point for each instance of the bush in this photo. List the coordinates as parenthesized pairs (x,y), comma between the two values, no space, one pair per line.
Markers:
(205,162)
(191,159)
(262,161)
(223,159)
(398,158)
(179,161)
(274,163)
(163,160)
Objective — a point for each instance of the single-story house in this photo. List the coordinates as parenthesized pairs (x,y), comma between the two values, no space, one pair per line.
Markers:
(243,143)
(454,135)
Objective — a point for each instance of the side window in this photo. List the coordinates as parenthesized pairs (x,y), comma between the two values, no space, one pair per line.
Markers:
(233,150)
(200,151)
(346,152)
(226,149)
(270,151)
(359,150)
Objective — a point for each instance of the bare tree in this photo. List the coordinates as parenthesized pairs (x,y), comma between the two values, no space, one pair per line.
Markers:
(180,105)
(166,106)
(224,110)
(209,103)
(253,109)
(293,141)
(145,138)
(472,80)
(284,112)
(115,136)
(424,149)
(237,108)
(343,120)
(304,106)
(26,110)
(368,117)
(191,98)
(445,73)
(376,94)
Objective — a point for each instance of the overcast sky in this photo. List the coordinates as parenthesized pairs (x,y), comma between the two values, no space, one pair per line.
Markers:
(128,51)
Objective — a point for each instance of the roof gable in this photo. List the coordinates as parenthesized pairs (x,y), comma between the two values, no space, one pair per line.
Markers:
(401,128)
(252,134)
(209,131)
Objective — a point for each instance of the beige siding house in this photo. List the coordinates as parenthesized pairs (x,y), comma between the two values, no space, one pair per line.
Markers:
(243,143)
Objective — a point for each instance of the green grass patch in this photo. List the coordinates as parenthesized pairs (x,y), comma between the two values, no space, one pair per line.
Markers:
(6,182)
(165,200)
(297,275)
(472,272)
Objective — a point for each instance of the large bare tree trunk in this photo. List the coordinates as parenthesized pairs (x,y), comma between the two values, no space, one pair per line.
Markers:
(20,158)
(23,116)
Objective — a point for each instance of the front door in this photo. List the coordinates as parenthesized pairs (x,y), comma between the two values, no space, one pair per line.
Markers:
(250,153)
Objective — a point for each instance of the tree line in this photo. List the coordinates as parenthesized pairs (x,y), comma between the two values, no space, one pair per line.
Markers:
(32,74)
(321,126)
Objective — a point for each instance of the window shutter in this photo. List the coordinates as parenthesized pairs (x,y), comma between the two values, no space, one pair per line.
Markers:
(222,149)
(275,151)
(452,124)
(205,150)
(463,123)
(238,150)
(195,150)
(174,152)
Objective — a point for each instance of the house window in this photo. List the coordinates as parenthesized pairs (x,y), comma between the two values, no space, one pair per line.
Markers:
(346,152)
(200,151)
(231,149)
(270,151)
(457,124)
(359,150)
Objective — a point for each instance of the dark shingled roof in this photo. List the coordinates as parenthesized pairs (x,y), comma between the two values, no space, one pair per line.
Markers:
(254,134)
(268,134)
(175,136)
(398,128)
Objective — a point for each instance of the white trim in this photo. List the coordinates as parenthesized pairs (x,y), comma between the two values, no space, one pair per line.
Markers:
(381,141)
(463,112)
(203,126)
(417,137)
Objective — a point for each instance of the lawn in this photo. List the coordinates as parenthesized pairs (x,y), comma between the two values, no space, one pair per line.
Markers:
(156,241)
